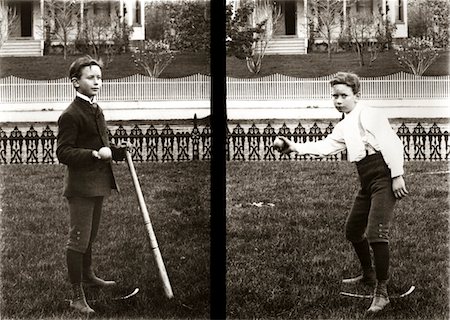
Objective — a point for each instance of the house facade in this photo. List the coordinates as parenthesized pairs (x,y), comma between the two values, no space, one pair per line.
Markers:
(26,31)
(293,30)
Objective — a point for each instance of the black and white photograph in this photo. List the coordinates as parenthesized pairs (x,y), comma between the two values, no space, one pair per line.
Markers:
(105,159)
(337,166)
(224,159)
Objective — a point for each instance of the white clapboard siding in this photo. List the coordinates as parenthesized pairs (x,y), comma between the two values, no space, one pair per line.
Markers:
(197,87)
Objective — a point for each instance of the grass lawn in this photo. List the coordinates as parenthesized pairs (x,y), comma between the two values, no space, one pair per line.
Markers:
(34,225)
(55,67)
(287,261)
(310,65)
(317,64)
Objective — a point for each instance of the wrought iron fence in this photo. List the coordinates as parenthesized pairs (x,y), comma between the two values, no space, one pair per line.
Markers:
(152,144)
(253,144)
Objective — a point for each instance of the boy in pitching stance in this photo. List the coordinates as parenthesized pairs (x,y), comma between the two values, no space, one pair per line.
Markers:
(82,132)
(377,152)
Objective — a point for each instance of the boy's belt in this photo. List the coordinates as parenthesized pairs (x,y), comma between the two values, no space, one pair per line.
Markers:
(369,158)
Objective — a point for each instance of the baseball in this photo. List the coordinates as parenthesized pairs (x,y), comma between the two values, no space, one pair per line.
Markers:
(278,144)
(105,153)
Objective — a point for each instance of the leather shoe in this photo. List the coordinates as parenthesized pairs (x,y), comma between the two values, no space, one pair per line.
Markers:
(379,302)
(81,305)
(79,300)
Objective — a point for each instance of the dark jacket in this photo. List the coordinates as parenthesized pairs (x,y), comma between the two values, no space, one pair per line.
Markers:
(82,129)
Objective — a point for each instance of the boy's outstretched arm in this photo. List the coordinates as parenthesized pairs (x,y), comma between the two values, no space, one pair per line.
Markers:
(288,145)
(332,144)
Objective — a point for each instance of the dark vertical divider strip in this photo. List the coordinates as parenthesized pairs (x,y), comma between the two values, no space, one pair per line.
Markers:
(218,161)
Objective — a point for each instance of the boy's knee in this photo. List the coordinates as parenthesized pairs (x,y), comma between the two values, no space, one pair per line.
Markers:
(353,235)
(78,240)
(378,233)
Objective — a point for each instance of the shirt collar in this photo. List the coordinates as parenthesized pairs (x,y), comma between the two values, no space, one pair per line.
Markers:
(86,98)
(356,110)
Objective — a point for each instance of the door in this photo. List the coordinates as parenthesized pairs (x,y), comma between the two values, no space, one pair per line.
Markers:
(23,23)
(288,20)
(26,18)
(290,13)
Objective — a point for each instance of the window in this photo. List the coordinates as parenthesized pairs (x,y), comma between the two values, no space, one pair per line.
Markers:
(400,11)
(137,17)
(364,6)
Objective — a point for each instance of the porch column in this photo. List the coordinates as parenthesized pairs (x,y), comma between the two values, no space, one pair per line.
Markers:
(235,4)
(344,9)
(130,12)
(41,26)
(305,14)
(383,9)
(82,11)
(121,11)
(41,19)
(142,4)
(344,14)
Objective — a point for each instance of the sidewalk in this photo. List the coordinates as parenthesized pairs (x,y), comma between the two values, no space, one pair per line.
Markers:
(131,110)
(324,109)
(236,110)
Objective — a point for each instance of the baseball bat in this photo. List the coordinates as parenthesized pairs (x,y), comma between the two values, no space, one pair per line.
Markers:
(151,234)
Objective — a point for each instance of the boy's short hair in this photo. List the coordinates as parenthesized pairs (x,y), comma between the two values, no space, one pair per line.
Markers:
(76,66)
(347,78)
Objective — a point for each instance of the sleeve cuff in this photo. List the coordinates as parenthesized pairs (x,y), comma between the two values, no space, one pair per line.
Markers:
(396,172)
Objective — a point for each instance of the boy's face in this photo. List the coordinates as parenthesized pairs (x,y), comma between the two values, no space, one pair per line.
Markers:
(343,98)
(90,81)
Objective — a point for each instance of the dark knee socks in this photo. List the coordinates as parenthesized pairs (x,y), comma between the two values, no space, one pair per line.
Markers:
(380,254)
(87,259)
(74,266)
(362,250)
(381,257)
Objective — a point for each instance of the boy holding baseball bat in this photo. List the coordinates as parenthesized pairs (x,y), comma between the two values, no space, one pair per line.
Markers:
(378,154)
(83,146)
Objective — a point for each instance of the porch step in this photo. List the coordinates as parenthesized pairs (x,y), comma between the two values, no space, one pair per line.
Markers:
(21,48)
(286,45)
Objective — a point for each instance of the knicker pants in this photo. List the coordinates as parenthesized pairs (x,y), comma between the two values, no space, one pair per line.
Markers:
(85,213)
(372,210)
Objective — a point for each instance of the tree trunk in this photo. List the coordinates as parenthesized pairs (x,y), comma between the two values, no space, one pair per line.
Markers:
(329,51)
(329,43)
(360,54)
(65,46)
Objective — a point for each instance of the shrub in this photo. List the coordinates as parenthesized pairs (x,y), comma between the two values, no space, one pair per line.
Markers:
(153,56)
(416,54)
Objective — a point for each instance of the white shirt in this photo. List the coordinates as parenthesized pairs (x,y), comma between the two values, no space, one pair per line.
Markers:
(85,97)
(362,129)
